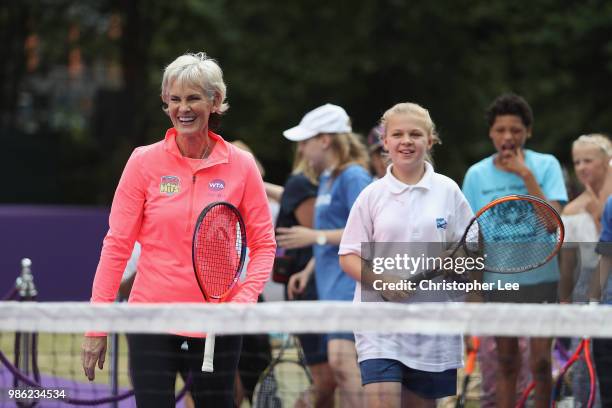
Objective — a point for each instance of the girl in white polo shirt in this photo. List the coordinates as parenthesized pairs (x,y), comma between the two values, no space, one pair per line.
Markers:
(416,207)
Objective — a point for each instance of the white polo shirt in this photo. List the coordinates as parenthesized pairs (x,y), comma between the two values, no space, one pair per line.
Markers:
(415,217)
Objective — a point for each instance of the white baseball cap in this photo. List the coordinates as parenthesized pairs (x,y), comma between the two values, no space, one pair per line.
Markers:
(324,119)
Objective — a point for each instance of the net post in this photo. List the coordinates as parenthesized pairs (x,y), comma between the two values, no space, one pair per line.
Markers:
(26,290)
(25,282)
(113,374)
(114,367)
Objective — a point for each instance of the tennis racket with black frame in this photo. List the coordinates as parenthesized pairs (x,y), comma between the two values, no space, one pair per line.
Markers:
(285,379)
(515,233)
(218,254)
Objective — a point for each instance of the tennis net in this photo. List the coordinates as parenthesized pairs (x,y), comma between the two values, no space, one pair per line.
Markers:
(40,342)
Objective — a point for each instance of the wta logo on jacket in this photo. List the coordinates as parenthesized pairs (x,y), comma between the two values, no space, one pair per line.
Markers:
(216,185)
(170,185)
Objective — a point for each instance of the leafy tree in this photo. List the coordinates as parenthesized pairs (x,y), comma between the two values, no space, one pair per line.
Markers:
(281,59)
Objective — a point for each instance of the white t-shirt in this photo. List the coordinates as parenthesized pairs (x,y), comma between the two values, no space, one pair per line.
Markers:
(581,234)
(132,264)
(388,211)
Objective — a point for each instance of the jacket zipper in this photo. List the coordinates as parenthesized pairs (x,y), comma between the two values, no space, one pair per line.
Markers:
(191,198)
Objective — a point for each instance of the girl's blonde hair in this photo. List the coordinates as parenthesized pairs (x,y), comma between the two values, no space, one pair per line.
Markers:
(413,109)
(301,165)
(595,139)
(349,149)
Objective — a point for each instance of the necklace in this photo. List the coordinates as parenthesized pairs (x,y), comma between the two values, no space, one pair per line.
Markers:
(205,151)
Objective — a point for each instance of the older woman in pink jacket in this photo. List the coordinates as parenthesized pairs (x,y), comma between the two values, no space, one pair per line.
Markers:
(163,189)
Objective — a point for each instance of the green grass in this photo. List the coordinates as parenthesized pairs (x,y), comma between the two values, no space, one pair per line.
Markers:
(60,355)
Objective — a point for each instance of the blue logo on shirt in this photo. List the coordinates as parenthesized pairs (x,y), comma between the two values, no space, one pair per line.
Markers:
(441,223)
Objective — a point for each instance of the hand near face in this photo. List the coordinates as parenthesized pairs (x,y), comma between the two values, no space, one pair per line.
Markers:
(513,161)
(509,134)
(595,203)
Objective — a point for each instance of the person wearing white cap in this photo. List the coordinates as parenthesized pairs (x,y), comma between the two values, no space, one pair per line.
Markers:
(325,138)
(324,119)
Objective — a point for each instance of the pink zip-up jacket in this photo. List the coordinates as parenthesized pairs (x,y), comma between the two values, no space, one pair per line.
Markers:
(157,202)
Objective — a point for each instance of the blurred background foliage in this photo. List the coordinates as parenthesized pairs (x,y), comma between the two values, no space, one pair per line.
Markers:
(80,80)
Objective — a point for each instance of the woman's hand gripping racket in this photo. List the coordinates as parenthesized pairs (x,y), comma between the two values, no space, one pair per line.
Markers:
(512,234)
(218,253)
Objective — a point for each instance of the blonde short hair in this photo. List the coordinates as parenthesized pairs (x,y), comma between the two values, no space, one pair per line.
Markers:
(597,140)
(197,69)
(415,110)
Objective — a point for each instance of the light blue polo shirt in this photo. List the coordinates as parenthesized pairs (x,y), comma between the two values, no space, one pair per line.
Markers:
(484,183)
(333,205)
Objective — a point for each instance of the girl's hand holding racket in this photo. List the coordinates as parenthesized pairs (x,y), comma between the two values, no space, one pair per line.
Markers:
(218,253)
(458,253)
(394,295)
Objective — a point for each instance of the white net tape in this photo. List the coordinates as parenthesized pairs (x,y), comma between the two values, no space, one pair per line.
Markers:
(545,320)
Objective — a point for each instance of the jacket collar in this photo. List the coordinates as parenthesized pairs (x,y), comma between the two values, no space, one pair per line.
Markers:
(220,153)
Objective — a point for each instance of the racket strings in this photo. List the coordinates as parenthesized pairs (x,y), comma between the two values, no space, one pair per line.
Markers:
(266,395)
(218,250)
(515,235)
(285,380)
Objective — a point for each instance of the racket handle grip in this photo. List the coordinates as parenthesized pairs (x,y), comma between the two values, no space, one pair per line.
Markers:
(209,353)
(470,362)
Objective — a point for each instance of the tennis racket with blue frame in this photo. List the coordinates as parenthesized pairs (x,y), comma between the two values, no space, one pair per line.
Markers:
(515,233)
